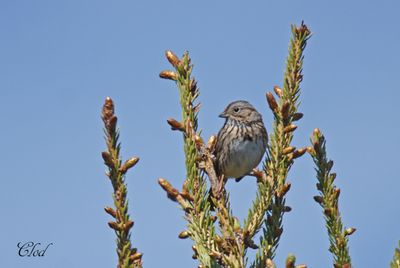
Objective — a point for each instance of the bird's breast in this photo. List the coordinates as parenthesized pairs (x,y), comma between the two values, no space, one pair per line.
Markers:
(245,154)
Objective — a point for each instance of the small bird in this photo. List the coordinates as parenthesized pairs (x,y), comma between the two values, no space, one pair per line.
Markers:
(241,142)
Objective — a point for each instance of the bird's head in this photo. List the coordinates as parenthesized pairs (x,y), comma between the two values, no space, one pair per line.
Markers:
(242,111)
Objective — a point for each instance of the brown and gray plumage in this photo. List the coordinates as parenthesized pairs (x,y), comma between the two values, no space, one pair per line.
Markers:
(241,142)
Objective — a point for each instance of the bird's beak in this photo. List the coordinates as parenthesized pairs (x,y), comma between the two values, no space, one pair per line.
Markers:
(223,115)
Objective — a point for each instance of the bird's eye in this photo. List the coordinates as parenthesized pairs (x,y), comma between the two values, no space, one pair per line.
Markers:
(236,109)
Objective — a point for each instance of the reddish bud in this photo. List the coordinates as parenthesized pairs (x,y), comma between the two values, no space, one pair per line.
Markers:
(171,191)
(287,209)
(128,164)
(107,159)
(297,116)
(183,235)
(336,192)
(317,132)
(169,75)
(278,91)
(285,110)
(111,124)
(299,152)
(318,199)
(108,109)
(175,125)
(110,211)
(349,231)
(128,225)
(136,256)
(273,105)
(328,212)
(285,188)
(290,128)
(172,58)
(114,226)
(288,150)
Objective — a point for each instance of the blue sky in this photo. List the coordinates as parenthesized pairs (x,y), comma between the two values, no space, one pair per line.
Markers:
(60,59)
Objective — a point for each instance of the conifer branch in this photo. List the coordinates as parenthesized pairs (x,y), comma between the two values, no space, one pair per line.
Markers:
(229,249)
(329,201)
(194,198)
(232,234)
(281,153)
(128,256)
(212,250)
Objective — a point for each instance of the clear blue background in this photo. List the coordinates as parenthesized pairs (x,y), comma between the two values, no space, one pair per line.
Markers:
(60,59)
